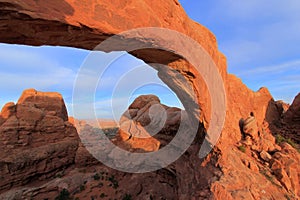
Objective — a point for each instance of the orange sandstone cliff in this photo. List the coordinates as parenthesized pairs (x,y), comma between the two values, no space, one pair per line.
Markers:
(235,169)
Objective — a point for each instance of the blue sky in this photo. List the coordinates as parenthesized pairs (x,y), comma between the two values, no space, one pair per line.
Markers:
(260,39)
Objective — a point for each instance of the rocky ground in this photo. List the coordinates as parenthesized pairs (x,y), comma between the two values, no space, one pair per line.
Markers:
(43,158)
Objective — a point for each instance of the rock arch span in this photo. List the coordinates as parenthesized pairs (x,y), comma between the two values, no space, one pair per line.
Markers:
(84,24)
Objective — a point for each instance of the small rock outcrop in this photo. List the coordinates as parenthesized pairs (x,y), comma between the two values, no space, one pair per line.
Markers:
(292,115)
(286,168)
(147,124)
(36,139)
(250,128)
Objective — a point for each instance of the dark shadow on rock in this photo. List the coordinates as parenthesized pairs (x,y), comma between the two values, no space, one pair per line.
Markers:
(282,121)
(241,124)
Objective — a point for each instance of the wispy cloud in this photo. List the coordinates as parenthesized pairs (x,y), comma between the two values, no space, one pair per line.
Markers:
(267,70)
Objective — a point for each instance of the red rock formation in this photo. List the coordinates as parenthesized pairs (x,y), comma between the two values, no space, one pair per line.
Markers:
(36,140)
(285,166)
(288,125)
(292,115)
(147,124)
(85,24)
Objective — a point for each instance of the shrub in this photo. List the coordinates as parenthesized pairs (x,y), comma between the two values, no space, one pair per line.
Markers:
(63,195)
(127,197)
(102,195)
(114,182)
(97,177)
(82,187)
(242,148)
(280,139)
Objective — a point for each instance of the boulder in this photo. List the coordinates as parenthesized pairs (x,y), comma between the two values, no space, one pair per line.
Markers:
(286,167)
(265,156)
(250,127)
(148,124)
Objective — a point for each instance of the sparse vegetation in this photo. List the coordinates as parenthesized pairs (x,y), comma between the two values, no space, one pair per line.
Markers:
(82,187)
(103,195)
(265,173)
(63,195)
(242,148)
(110,131)
(114,182)
(100,185)
(127,197)
(280,139)
(287,197)
(96,177)
(269,176)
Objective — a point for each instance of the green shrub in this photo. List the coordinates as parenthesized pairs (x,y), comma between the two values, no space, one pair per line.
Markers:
(280,139)
(114,182)
(242,148)
(82,187)
(127,197)
(103,195)
(97,177)
(63,195)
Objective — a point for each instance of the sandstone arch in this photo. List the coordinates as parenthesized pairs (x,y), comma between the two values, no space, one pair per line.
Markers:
(84,24)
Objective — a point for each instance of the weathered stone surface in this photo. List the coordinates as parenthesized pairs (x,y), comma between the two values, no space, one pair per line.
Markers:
(85,24)
(8,110)
(51,102)
(286,166)
(250,127)
(289,126)
(148,124)
(292,115)
(265,156)
(36,141)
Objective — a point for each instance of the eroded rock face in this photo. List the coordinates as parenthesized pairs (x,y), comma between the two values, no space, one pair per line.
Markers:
(292,115)
(289,124)
(21,21)
(85,24)
(285,165)
(147,124)
(36,140)
(102,19)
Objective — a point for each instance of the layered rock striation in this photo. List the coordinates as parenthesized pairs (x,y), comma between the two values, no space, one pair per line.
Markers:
(36,139)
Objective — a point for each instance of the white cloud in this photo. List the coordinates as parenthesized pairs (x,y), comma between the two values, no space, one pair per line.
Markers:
(263,70)
(23,67)
(251,9)
(26,67)
(256,31)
